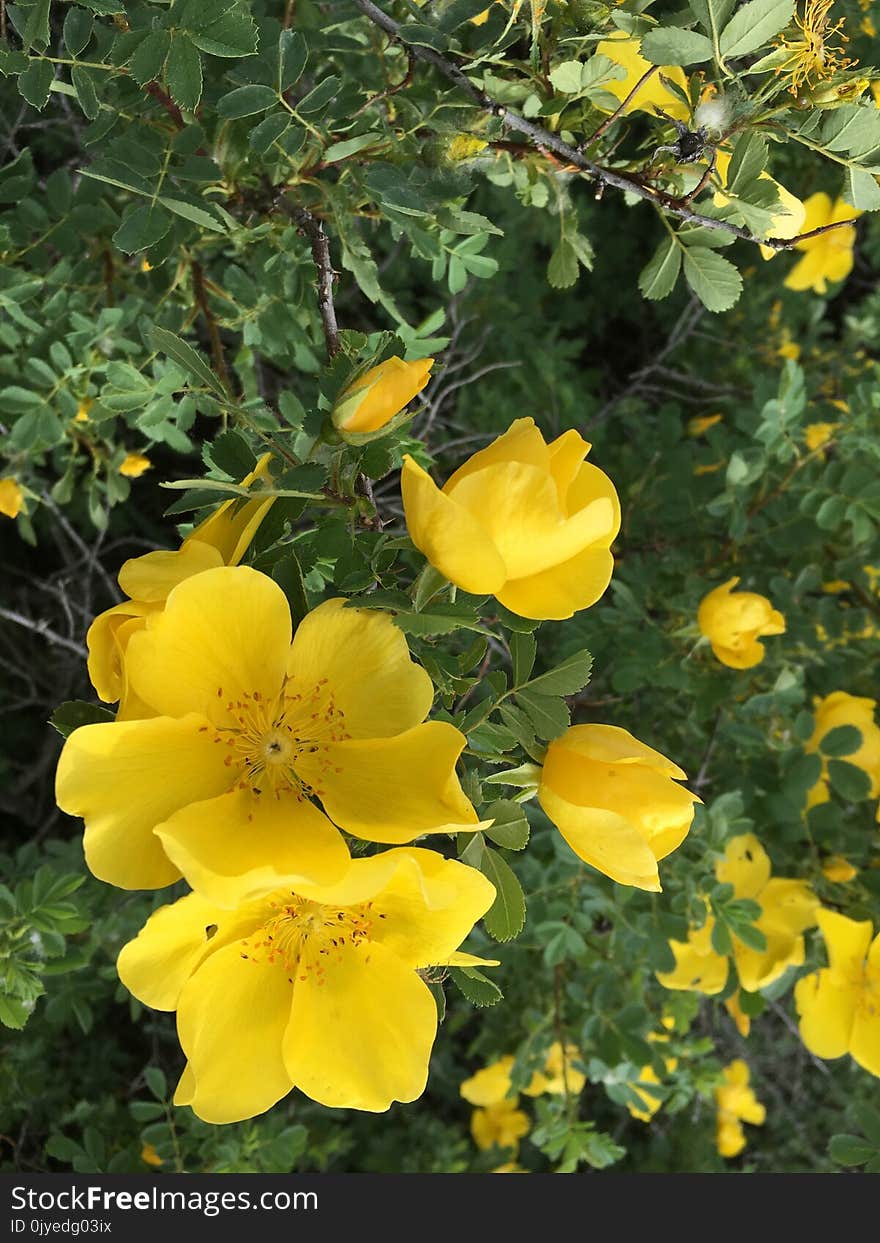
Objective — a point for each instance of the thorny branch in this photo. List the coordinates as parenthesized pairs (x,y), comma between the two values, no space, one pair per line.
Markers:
(201,297)
(317,235)
(547,142)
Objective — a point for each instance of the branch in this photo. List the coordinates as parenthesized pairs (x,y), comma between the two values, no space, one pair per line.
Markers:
(317,235)
(217,354)
(544,140)
(42,628)
(609,120)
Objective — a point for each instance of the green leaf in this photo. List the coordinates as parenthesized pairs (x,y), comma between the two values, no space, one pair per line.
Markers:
(523,648)
(562,270)
(505,918)
(850,1150)
(569,677)
(658,277)
(842,740)
(849,781)
(196,215)
(753,25)
(234,35)
(36,28)
(13,1013)
(712,14)
(566,77)
(478,988)
(510,828)
(142,225)
(165,342)
(293,54)
(77,30)
(232,454)
(76,712)
(548,714)
(714,279)
(861,190)
(288,574)
(183,73)
(35,83)
(149,57)
(87,97)
(670,45)
(156,1082)
(350,146)
(748,161)
(245,101)
(268,131)
(320,96)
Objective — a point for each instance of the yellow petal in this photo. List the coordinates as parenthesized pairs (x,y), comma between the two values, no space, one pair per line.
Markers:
(224,636)
(174,941)
(380,394)
(817,213)
(231,1020)
(846,940)
(808,273)
(462,959)
(730,1138)
(232,527)
(746,866)
(489,1085)
(603,839)
(368,667)
(501,1125)
(567,453)
(759,968)
(746,656)
(611,744)
(452,539)
(240,845)
(107,647)
(826,1003)
(561,591)
(789,904)
(522,442)
(625,50)
(697,967)
(152,577)
(393,789)
(362,1038)
(127,777)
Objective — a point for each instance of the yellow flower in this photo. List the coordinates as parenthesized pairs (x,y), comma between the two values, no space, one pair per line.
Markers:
(500,1125)
(616,802)
(697,426)
(82,411)
(11,497)
(836,586)
(867,27)
(841,708)
(736,1103)
(818,434)
(735,621)
(788,907)
(489,1085)
(838,869)
(839,1005)
(734,1009)
(790,214)
(828,257)
(308,986)
(247,729)
(134,465)
(149,1156)
(558,1075)
(647,1075)
(374,400)
(146,266)
(788,348)
(625,50)
(812,57)
(527,522)
(465,147)
(222,539)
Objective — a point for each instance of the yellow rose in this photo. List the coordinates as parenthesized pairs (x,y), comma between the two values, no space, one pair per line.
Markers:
(527,522)
(839,870)
(11,498)
(134,465)
(734,622)
(736,1103)
(789,219)
(373,401)
(616,802)
(828,257)
(840,708)
(818,434)
(501,1125)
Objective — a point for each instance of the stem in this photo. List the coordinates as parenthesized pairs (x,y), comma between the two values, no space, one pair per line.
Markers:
(217,354)
(314,230)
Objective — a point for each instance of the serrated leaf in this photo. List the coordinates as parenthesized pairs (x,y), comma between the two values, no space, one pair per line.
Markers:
(196,215)
(232,454)
(165,342)
(748,161)
(142,226)
(658,277)
(35,84)
(567,678)
(753,25)
(293,54)
(714,279)
(850,1150)
(234,35)
(548,714)
(246,101)
(842,740)
(36,28)
(148,59)
(183,73)
(505,918)
(269,130)
(77,30)
(76,712)
(13,1013)
(670,45)
(523,649)
(861,190)
(476,987)
(510,828)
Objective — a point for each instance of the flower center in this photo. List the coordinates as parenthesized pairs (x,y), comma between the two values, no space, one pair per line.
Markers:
(305,937)
(271,738)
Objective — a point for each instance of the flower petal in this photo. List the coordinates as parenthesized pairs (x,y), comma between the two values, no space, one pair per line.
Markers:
(224,635)
(826,1003)
(454,541)
(604,839)
(240,845)
(567,453)
(697,966)
(610,744)
(107,647)
(489,1085)
(759,968)
(125,778)
(561,591)
(846,940)
(152,577)
(522,442)
(232,527)
(368,667)
(173,942)
(746,866)
(231,1021)
(393,789)
(362,1038)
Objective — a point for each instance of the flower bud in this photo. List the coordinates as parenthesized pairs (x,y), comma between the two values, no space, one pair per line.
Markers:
(372,401)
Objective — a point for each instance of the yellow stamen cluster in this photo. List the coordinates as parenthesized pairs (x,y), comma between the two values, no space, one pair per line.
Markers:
(304,936)
(812,57)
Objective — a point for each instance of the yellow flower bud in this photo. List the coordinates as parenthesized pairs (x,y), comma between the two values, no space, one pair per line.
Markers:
(735,621)
(134,465)
(616,802)
(696,427)
(372,401)
(830,96)
(11,498)
(818,434)
(529,522)
(82,412)
(839,870)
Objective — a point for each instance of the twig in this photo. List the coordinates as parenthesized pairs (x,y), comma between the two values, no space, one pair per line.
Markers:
(391,90)
(317,235)
(42,628)
(609,120)
(545,142)
(217,354)
(154,89)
